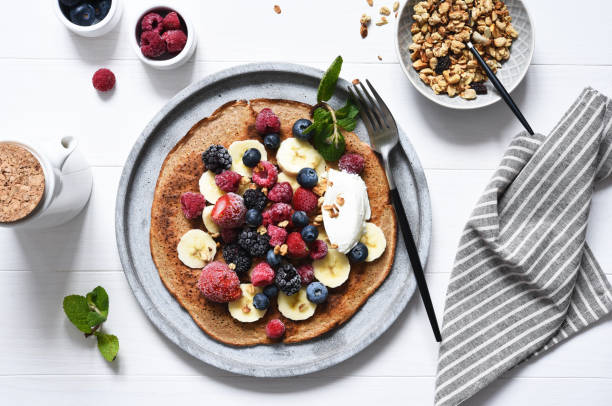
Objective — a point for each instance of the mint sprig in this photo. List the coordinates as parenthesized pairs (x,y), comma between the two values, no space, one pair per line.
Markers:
(87,313)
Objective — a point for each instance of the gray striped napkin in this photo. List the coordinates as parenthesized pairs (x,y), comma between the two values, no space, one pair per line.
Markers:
(524,278)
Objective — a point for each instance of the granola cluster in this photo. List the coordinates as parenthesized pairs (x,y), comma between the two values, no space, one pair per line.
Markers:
(439,52)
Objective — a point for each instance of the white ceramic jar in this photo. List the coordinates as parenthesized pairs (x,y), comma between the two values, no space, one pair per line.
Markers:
(107,24)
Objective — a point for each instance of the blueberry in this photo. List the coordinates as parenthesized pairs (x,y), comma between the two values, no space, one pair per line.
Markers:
(358,253)
(83,14)
(309,233)
(271,291)
(251,157)
(272,141)
(273,259)
(299,127)
(102,7)
(316,292)
(253,217)
(299,218)
(307,177)
(261,301)
(70,3)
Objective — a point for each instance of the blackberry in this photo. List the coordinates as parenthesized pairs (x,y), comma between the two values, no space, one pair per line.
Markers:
(443,64)
(479,87)
(254,243)
(254,199)
(234,254)
(217,158)
(288,279)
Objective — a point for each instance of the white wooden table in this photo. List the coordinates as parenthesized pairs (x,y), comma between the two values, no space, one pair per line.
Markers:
(46,91)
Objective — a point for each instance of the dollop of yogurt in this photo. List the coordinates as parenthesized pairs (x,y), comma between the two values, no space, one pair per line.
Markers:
(346,208)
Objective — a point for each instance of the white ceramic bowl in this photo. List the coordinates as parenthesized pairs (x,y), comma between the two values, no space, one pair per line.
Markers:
(510,74)
(107,24)
(175,61)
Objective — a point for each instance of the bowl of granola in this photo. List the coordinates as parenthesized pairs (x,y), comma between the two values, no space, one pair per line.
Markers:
(431,46)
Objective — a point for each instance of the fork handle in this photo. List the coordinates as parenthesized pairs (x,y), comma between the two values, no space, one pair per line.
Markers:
(415,261)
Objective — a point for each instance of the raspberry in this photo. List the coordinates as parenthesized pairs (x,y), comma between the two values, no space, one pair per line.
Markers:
(152,45)
(306,273)
(171,21)
(152,22)
(305,200)
(267,122)
(296,246)
(229,211)
(281,193)
(276,213)
(262,275)
(216,158)
(229,235)
(351,163)
(175,40)
(479,87)
(318,249)
(255,199)
(192,204)
(287,279)
(275,329)
(218,283)
(234,254)
(103,80)
(228,181)
(277,235)
(254,243)
(265,174)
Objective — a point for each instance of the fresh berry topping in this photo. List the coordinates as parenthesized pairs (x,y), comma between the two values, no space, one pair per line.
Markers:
(276,213)
(281,193)
(152,22)
(255,199)
(261,301)
(84,14)
(358,253)
(267,122)
(309,233)
(265,174)
(287,279)
(277,235)
(299,127)
(306,273)
(442,64)
(228,181)
(304,200)
(300,218)
(273,259)
(262,274)
(175,40)
(479,87)
(171,21)
(271,291)
(103,80)
(251,157)
(216,158)
(234,254)
(316,292)
(218,283)
(151,44)
(229,235)
(275,329)
(272,141)
(308,178)
(351,163)
(296,246)
(192,204)
(253,217)
(229,211)
(318,249)
(254,243)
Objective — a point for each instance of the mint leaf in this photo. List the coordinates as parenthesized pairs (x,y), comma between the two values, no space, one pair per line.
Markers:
(97,300)
(108,345)
(349,110)
(77,310)
(93,319)
(329,80)
(330,145)
(348,124)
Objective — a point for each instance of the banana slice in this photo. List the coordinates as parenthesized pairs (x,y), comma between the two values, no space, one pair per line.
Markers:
(321,169)
(333,270)
(242,309)
(373,238)
(210,225)
(209,188)
(295,154)
(297,306)
(283,177)
(196,248)
(237,150)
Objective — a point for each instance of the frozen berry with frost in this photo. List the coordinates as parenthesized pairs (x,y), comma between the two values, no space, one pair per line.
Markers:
(216,158)
(306,272)
(277,235)
(318,249)
(262,274)
(152,22)
(103,80)
(175,40)
(265,174)
(281,193)
(275,329)
(296,246)
(276,213)
(235,254)
(351,163)
(267,122)
(192,204)
(304,200)
(228,181)
(229,211)
(219,283)
(171,21)
(255,199)
(287,279)
(152,45)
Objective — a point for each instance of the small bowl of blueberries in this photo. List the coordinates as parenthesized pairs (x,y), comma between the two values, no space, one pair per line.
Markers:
(89,18)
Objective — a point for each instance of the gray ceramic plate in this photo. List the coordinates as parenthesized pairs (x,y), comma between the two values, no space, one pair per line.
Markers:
(510,74)
(133,212)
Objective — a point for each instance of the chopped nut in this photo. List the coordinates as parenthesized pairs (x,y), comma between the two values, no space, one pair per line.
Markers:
(468,94)
(218,244)
(246,309)
(365,19)
(384,10)
(379,58)
(340,200)
(355,81)
(283,249)
(277,249)
(320,201)
(321,187)
(382,21)
(261,230)
(363,31)
(333,246)
(396,6)
(370,2)
(327,207)
(215,235)
(232,266)
(277,9)
(318,219)
(264,191)
(283,223)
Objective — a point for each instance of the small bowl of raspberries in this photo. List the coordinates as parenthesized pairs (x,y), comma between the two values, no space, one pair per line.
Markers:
(89,18)
(164,38)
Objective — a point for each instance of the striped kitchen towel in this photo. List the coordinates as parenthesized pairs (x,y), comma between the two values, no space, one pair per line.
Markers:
(524,278)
